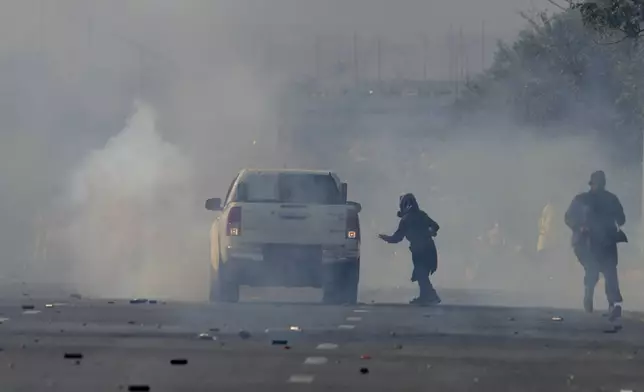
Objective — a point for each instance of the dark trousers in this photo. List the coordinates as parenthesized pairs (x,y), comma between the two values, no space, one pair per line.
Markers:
(426,288)
(600,260)
(424,262)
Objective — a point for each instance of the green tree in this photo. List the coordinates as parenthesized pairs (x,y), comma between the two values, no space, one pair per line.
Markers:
(556,77)
(609,16)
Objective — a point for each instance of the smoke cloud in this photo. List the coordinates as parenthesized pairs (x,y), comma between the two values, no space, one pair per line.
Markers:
(133,230)
(223,86)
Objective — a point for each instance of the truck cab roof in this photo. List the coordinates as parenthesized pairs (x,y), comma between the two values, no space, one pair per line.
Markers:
(290,171)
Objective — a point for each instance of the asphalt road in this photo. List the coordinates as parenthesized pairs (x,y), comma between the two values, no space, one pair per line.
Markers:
(297,346)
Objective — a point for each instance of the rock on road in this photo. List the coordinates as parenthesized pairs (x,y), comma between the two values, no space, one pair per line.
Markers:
(117,345)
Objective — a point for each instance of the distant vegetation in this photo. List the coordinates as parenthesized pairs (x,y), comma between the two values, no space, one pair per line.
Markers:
(570,69)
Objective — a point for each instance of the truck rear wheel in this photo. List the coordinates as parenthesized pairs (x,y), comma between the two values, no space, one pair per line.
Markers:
(341,283)
(224,286)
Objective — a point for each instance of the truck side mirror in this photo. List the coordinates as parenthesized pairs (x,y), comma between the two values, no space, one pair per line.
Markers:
(213,204)
(344,190)
(356,206)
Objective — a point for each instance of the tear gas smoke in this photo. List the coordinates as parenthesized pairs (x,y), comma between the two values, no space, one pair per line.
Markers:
(219,75)
(133,231)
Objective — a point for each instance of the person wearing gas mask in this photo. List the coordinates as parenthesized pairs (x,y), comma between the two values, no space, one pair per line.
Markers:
(420,230)
(595,218)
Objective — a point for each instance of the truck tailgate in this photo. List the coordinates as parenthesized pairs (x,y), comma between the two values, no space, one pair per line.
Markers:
(277,223)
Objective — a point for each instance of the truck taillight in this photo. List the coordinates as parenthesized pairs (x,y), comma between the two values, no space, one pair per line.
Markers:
(233,226)
(353,225)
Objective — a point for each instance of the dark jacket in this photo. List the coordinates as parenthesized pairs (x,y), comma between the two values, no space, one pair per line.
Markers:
(418,228)
(601,214)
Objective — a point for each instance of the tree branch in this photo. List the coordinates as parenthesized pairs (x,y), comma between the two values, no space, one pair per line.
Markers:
(561,7)
(624,38)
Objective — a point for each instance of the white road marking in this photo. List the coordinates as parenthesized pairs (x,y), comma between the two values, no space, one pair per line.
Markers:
(360,311)
(3,319)
(315,361)
(327,346)
(354,318)
(301,379)
(31,312)
(346,326)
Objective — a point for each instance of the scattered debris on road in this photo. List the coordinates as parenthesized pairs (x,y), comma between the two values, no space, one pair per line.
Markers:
(73,356)
(206,336)
(511,319)
(557,318)
(287,347)
(49,305)
(153,301)
(279,342)
(179,361)
(76,296)
(364,370)
(214,329)
(244,334)
(138,301)
(365,356)
(295,328)
(138,388)
(132,322)
(399,347)
(111,302)
(28,307)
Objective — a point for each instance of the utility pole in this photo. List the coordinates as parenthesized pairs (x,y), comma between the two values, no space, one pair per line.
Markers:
(317,59)
(483,46)
(41,26)
(456,62)
(450,57)
(425,56)
(461,55)
(90,24)
(379,60)
(355,59)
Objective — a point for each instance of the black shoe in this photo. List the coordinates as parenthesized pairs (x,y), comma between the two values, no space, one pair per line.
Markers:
(616,313)
(425,301)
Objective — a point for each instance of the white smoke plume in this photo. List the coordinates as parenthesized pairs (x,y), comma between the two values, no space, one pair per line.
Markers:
(133,201)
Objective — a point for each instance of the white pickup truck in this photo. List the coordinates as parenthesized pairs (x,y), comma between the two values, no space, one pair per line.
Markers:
(288,228)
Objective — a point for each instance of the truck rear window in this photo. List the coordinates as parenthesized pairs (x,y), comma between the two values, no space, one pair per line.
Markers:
(292,188)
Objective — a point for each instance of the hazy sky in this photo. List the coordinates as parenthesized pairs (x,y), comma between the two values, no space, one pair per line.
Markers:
(431,16)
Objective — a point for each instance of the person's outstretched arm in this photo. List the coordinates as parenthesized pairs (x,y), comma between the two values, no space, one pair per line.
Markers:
(398,236)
